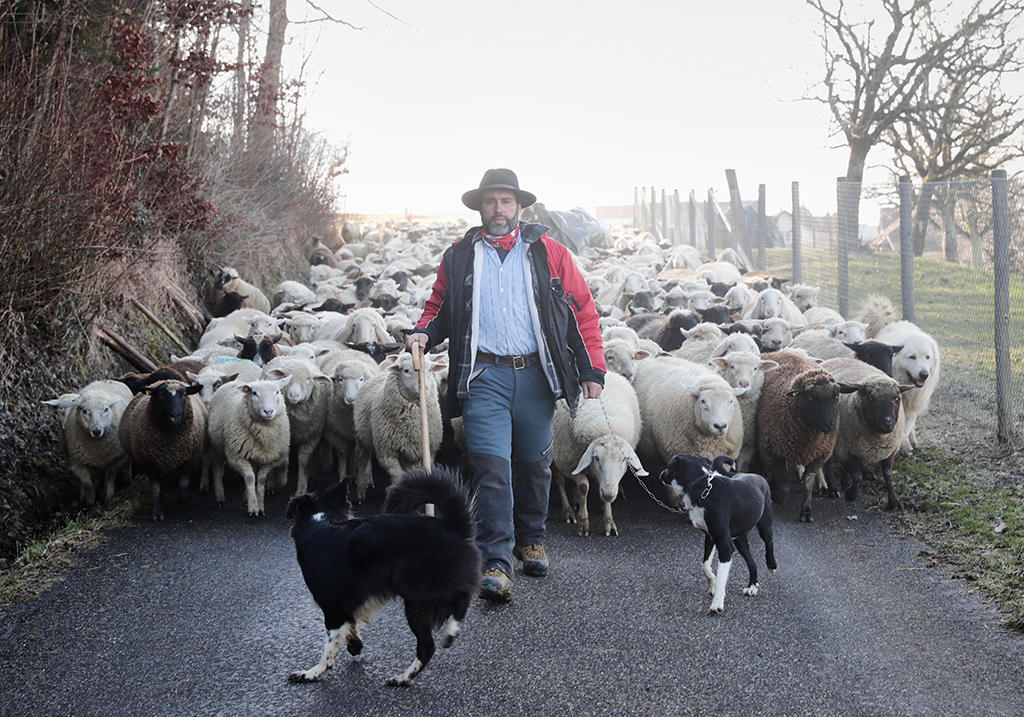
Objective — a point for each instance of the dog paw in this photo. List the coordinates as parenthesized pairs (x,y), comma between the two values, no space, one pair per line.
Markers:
(449,640)
(301,677)
(751,589)
(354,646)
(716,609)
(399,681)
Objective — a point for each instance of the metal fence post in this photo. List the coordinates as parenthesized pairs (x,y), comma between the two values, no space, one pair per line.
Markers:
(762,227)
(907,246)
(636,207)
(843,218)
(797,261)
(664,216)
(709,216)
(1001,261)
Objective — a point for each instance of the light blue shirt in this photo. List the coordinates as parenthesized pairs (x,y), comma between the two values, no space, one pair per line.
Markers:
(505,319)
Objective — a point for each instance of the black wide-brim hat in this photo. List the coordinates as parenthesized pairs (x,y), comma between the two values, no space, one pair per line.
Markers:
(498,179)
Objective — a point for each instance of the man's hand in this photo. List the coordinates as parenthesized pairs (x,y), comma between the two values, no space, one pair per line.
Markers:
(591,389)
(417,338)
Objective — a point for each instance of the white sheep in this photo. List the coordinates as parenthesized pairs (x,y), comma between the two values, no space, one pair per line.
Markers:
(230,281)
(773,304)
(620,357)
(803,296)
(686,408)
(387,418)
(88,433)
(350,376)
(306,402)
(241,322)
(249,431)
(292,292)
(744,369)
(599,445)
(365,325)
(777,333)
(822,316)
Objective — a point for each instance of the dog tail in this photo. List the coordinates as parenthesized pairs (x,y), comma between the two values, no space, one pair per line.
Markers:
(441,487)
(877,312)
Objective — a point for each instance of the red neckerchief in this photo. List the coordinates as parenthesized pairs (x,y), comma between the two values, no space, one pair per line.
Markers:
(506,242)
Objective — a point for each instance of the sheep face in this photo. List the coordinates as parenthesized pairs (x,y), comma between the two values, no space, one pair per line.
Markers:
(742,370)
(169,403)
(849,331)
(265,399)
(713,408)
(606,459)
(804,297)
(95,414)
(408,378)
(301,328)
(777,334)
(880,406)
(349,378)
(301,386)
(816,402)
(768,305)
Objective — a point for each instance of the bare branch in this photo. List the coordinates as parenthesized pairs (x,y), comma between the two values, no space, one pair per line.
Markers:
(327,17)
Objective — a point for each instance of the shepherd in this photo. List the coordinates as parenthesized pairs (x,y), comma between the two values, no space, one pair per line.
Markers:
(522,332)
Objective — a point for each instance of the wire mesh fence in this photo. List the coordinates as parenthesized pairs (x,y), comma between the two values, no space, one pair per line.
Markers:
(950,257)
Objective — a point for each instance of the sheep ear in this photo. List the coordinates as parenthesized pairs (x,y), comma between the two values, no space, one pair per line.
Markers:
(849,388)
(831,329)
(740,390)
(275,373)
(585,460)
(322,378)
(896,349)
(691,389)
(641,354)
(282,382)
(192,389)
(907,387)
(634,461)
(191,376)
(768,365)
(718,362)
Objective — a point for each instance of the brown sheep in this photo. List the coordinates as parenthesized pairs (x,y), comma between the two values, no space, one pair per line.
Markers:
(797,417)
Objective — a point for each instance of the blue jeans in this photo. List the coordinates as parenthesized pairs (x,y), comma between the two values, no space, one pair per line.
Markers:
(507,421)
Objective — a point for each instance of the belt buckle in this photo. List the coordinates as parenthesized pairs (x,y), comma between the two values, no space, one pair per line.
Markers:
(518,362)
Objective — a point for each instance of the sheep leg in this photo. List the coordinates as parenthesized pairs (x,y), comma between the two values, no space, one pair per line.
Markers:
(853,472)
(609,527)
(894,502)
(331,648)
(559,480)
(156,511)
(86,491)
(582,516)
(391,465)
(217,468)
(110,477)
(364,475)
(261,487)
(809,479)
(305,453)
(252,503)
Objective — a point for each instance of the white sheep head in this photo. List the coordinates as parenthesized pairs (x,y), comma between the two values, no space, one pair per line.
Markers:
(713,408)
(607,458)
(265,400)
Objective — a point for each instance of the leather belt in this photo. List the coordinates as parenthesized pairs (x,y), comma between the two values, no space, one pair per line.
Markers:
(516,362)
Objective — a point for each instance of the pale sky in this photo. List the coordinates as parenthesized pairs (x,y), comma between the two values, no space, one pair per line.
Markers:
(584,100)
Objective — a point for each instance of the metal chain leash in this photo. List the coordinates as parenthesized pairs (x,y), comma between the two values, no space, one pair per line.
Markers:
(629,466)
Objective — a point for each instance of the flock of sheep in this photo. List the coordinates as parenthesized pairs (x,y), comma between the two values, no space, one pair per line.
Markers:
(704,357)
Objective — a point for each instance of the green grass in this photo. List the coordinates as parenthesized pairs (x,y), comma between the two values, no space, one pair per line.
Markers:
(975,522)
(976,526)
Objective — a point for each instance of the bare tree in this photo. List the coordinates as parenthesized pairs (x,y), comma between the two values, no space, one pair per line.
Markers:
(264,121)
(873,80)
(965,126)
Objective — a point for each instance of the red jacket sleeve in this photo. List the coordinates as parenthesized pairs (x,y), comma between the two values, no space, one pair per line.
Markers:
(434,319)
(577,293)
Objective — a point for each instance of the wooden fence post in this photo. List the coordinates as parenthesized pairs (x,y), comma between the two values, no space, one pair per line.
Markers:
(1001,262)
(709,216)
(762,227)
(693,219)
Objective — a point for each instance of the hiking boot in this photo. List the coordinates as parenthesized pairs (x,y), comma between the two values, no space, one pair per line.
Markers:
(535,560)
(496,586)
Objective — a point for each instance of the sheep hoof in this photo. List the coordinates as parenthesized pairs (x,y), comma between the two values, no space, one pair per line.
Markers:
(805,516)
(610,530)
(895,504)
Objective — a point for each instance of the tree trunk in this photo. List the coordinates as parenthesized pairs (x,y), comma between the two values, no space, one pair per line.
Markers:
(241,82)
(265,118)
(921,212)
(949,228)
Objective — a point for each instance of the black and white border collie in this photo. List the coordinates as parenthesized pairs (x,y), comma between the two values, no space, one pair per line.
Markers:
(726,506)
(355,566)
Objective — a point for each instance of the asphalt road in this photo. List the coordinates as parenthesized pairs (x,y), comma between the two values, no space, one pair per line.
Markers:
(206,614)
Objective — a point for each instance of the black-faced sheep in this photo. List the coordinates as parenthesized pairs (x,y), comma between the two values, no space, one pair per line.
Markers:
(163,429)
(870,424)
(797,417)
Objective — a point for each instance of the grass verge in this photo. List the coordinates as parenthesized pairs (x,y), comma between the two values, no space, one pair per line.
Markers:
(974,523)
(43,562)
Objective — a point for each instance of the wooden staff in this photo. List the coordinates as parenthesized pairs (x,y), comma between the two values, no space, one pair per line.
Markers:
(420,365)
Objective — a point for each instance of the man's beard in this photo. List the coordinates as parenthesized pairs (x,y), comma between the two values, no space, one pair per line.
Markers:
(501,228)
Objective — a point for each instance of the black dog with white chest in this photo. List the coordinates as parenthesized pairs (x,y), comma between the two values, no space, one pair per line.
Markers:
(355,566)
(726,506)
